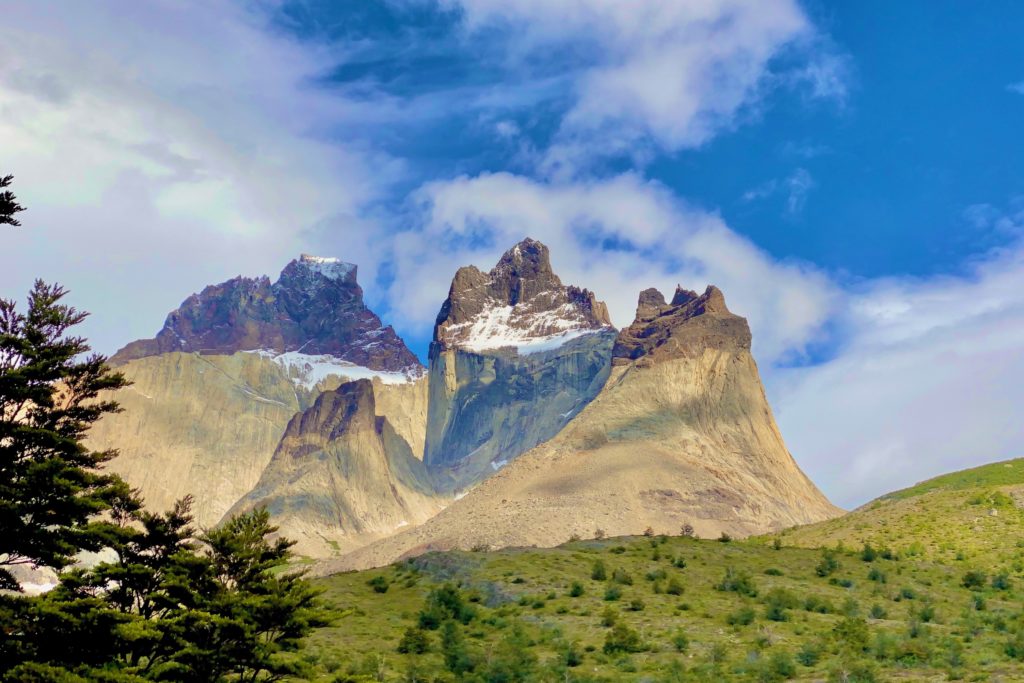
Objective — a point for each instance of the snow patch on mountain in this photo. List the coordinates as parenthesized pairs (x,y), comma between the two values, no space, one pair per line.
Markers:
(329,267)
(500,327)
(309,370)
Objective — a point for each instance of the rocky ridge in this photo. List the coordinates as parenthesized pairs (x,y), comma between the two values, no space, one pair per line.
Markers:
(519,304)
(314,308)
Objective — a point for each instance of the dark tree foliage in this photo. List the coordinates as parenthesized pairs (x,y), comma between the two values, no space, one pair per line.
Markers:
(51,488)
(8,203)
(170,608)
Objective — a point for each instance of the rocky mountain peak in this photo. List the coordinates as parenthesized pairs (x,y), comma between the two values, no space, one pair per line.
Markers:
(315,308)
(348,408)
(684,327)
(317,271)
(521,303)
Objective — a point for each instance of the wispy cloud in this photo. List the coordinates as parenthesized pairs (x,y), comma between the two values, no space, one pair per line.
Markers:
(794,187)
(1016,87)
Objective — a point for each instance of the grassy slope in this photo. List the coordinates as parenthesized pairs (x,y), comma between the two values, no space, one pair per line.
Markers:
(922,623)
(969,518)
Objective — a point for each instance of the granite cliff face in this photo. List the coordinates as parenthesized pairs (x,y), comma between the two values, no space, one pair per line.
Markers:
(314,308)
(342,475)
(515,355)
(681,433)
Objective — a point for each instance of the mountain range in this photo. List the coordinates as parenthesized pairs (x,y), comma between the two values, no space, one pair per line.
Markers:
(535,420)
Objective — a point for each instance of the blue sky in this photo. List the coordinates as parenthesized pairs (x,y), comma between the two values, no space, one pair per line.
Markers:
(849,173)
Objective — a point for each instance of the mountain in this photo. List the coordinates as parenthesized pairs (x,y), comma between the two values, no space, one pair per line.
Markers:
(515,354)
(681,433)
(215,390)
(972,517)
(342,475)
(315,308)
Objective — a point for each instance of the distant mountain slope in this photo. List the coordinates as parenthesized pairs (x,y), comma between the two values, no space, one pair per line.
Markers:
(680,434)
(972,517)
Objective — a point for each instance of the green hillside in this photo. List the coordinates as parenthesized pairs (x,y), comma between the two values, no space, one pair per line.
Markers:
(1005,473)
(672,609)
(971,518)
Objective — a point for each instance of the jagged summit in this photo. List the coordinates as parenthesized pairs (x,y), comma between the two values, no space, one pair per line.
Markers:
(683,327)
(315,308)
(520,304)
(326,266)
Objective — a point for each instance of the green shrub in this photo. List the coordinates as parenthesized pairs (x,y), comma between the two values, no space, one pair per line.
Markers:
(379,584)
(445,603)
(906,593)
(674,587)
(571,655)
(878,612)
(598,572)
(456,655)
(877,575)
(772,571)
(621,638)
(868,554)
(974,580)
(414,641)
(828,564)
(636,605)
(814,603)
(612,593)
(1001,581)
(609,616)
(621,576)
(1014,647)
(809,654)
(680,642)
(656,575)
(576,589)
(744,616)
(852,633)
(737,582)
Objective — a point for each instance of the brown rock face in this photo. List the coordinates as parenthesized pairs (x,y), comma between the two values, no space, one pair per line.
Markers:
(342,476)
(686,326)
(520,299)
(316,307)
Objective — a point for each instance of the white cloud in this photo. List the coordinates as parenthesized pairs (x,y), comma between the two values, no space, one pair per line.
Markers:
(163,146)
(659,71)
(1016,88)
(656,240)
(930,379)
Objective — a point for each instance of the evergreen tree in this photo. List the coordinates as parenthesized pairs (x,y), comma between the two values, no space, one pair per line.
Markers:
(51,489)
(8,203)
